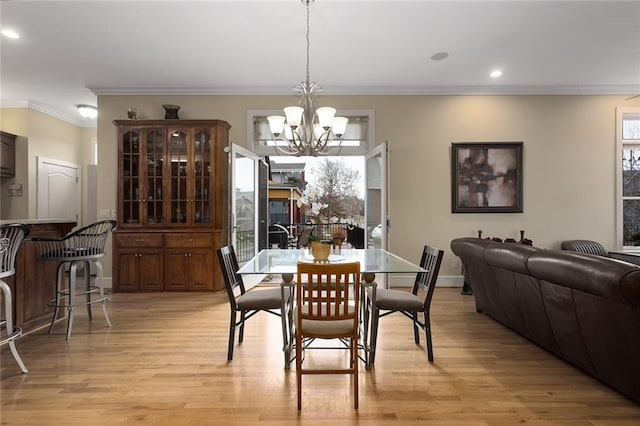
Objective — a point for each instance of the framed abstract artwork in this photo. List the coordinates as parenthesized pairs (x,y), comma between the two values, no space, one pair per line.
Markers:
(486,177)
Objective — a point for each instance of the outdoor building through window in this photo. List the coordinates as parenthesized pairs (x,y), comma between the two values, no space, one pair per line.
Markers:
(628,142)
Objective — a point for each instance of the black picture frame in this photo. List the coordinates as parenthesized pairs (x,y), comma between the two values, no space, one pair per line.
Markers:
(486,177)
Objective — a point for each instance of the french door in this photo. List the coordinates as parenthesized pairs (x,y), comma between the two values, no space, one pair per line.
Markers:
(376,197)
(244,202)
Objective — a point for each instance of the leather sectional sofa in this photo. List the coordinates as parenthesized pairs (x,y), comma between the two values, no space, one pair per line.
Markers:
(583,308)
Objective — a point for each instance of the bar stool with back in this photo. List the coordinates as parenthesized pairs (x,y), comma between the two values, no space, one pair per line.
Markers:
(84,246)
(11,236)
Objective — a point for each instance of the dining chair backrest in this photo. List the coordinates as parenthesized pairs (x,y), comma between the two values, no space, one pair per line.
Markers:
(355,237)
(11,236)
(303,238)
(585,246)
(229,266)
(430,260)
(327,292)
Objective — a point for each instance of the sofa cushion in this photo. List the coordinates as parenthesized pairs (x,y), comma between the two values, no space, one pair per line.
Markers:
(512,257)
(601,276)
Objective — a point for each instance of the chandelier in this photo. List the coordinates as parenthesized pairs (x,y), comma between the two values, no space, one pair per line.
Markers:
(306,128)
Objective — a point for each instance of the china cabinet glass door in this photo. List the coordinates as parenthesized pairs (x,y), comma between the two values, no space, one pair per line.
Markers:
(153,196)
(131,176)
(203,173)
(178,155)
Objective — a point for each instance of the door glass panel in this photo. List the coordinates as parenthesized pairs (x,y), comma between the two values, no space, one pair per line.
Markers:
(131,177)
(178,158)
(376,205)
(244,202)
(153,188)
(203,173)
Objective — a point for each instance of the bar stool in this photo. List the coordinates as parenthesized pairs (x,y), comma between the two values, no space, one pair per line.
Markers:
(11,236)
(84,246)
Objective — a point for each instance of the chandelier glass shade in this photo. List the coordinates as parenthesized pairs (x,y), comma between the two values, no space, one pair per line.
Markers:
(306,128)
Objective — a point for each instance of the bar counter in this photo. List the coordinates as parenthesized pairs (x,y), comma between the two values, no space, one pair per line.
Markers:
(34,283)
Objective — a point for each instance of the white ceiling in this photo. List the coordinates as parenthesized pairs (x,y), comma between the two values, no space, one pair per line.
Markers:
(71,51)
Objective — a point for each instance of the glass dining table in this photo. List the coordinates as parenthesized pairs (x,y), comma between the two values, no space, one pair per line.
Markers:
(372,262)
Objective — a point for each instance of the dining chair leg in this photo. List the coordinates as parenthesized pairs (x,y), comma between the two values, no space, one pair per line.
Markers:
(285,343)
(241,333)
(354,366)
(286,333)
(427,332)
(299,370)
(416,331)
(374,334)
(364,331)
(232,335)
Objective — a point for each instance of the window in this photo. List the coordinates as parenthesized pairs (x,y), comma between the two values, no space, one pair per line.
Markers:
(357,139)
(628,181)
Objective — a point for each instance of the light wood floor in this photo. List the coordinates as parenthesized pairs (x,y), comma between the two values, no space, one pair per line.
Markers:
(164,363)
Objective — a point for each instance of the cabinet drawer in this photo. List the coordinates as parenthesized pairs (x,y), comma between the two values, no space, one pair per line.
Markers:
(138,240)
(186,239)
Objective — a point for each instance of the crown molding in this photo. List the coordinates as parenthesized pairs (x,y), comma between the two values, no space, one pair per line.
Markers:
(50,111)
(380,90)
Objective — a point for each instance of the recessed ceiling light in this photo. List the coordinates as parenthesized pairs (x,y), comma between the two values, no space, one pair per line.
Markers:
(439,56)
(495,73)
(10,33)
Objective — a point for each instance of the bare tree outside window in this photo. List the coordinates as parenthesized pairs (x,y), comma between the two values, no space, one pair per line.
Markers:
(336,186)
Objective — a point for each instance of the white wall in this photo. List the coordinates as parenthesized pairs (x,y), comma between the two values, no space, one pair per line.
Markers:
(569,151)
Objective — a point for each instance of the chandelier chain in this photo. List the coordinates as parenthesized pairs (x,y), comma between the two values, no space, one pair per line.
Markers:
(308,42)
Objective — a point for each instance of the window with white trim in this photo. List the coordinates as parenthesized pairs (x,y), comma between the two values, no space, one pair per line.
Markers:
(357,139)
(628,177)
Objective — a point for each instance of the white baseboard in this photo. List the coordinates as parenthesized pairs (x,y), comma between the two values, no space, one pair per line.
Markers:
(107,282)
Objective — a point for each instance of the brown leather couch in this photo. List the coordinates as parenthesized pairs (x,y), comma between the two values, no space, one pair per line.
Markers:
(583,308)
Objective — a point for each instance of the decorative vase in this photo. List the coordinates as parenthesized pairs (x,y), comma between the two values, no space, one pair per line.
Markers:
(320,251)
(171,111)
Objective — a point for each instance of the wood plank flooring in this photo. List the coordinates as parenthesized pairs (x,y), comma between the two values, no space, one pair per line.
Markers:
(164,363)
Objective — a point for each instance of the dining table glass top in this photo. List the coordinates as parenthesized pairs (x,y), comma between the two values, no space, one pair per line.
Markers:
(284,261)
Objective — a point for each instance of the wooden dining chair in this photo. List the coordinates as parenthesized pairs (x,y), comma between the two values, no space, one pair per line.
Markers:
(248,303)
(303,238)
(327,305)
(385,301)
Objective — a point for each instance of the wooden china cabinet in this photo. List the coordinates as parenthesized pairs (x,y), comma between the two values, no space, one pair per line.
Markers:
(172,200)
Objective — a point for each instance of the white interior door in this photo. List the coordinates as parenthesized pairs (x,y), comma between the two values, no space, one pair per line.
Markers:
(58,190)
(376,197)
(244,202)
